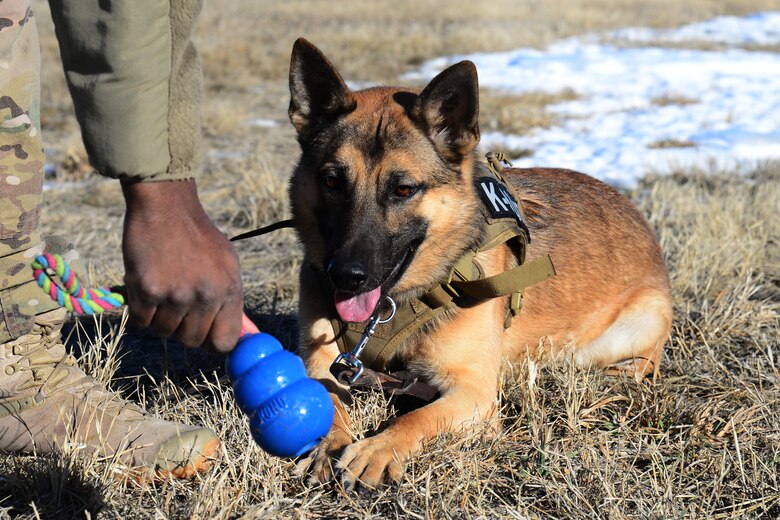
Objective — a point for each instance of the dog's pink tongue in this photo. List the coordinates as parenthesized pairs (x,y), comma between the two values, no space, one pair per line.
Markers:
(356,307)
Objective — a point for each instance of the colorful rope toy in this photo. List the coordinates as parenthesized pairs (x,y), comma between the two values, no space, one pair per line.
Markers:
(72,295)
(289,413)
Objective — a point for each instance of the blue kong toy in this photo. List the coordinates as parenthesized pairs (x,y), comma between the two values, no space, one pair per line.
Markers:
(289,413)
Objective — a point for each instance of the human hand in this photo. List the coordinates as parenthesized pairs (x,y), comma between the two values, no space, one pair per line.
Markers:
(182,274)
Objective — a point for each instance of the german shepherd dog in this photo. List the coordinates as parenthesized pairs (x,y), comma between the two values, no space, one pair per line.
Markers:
(384,203)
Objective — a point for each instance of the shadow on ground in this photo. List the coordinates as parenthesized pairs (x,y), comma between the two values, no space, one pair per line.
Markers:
(49,486)
(148,358)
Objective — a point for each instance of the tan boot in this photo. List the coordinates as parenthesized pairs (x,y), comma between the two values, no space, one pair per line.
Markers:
(47,403)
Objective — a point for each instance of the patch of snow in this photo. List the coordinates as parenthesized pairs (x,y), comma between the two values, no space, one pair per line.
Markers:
(222,155)
(360,85)
(263,123)
(757,29)
(731,114)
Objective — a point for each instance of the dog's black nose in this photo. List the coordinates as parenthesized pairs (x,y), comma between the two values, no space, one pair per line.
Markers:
(348,276)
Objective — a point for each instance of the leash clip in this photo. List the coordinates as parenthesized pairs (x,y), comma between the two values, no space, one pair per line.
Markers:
(350,361)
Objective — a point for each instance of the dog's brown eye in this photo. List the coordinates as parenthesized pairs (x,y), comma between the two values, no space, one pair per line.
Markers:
(403,191)
(331,180)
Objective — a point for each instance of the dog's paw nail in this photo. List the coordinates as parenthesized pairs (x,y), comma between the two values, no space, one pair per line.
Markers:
(366,491)
(348,483)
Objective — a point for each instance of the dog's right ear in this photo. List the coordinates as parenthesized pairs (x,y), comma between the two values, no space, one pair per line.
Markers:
(448,110)
(317,92)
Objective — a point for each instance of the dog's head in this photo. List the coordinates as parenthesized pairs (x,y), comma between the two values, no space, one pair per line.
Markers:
(382,197)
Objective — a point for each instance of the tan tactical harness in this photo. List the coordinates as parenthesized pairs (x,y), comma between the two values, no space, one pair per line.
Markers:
(466,280)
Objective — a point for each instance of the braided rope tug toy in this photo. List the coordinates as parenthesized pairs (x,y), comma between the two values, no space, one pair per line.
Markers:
(289,413)
(72,295)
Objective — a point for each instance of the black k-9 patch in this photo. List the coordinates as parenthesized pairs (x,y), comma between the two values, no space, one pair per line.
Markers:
(499,201)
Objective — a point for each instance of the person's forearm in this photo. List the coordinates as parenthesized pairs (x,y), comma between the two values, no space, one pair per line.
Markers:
(135,79)
(158,199)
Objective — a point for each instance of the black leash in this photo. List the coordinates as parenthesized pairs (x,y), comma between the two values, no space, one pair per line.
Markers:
(264,230)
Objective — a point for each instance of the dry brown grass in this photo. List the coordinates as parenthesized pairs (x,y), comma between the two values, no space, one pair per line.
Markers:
(702,442)
(672,143)
(377,42)
(672,99)
(520,113)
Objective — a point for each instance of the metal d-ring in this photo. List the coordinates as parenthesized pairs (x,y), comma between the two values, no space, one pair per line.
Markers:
(392,310)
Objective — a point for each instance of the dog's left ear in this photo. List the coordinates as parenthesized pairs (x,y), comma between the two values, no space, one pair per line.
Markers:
(317,93)
(448,110)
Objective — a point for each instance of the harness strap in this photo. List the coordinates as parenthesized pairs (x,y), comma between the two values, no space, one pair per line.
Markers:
(508,282)
(496,235)
(377,354)
(438,296)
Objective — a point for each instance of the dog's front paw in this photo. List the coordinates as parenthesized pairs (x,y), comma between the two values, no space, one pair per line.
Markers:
(318,464)
(370,462)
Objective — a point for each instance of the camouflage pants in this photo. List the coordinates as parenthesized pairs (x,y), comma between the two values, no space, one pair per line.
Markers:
(21,170)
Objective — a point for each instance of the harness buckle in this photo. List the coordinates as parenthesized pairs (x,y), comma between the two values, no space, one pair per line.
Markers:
(350,361)
(497,161)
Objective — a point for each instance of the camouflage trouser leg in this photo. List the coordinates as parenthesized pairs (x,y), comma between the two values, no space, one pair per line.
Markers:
(21,169)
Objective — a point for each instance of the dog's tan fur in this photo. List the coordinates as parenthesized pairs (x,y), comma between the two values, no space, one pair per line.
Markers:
(609,303)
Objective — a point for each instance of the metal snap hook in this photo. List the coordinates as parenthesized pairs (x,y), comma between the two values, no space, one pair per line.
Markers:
(351,360)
